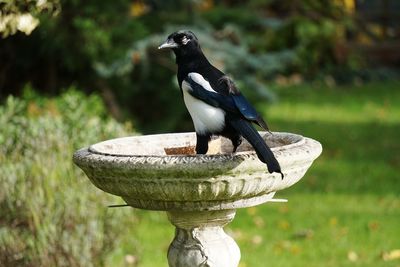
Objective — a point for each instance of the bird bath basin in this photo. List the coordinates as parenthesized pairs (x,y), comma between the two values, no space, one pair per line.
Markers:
(200,193)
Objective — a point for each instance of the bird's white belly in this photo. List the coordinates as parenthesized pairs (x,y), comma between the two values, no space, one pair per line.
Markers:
(206,118)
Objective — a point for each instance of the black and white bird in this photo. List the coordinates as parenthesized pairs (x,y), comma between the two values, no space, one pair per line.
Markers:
(213,101)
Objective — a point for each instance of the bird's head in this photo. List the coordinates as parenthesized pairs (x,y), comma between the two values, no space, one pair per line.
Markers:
(183,43)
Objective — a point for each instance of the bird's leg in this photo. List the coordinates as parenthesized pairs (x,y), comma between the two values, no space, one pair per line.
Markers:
(236,141)
(202,143)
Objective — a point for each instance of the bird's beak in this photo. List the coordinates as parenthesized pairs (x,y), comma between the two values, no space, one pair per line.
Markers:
(170,43)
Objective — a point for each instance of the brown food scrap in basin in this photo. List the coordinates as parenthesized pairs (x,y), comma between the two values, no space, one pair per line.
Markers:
(185,150)
(213,148)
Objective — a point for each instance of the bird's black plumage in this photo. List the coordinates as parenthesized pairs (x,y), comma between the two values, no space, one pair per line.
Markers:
(215,104)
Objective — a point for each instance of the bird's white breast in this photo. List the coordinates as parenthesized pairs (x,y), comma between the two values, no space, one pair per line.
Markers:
(206,118)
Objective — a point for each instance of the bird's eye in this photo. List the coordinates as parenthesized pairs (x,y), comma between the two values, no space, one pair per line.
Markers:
(185,40)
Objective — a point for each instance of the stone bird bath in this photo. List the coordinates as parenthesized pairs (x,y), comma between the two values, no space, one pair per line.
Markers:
(200,193)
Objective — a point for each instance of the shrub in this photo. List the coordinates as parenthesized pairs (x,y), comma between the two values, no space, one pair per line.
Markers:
(50,214)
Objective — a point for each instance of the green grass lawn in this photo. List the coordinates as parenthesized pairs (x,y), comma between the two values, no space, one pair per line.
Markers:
(344,212)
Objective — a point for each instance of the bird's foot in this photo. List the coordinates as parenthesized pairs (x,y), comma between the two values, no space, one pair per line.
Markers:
(279,172)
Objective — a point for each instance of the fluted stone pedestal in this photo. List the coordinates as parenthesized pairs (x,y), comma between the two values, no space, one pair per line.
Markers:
(200,239)
(200,193)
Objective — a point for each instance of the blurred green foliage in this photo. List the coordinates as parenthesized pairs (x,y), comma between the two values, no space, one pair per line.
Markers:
(50,214)
(110,47)
(22,15)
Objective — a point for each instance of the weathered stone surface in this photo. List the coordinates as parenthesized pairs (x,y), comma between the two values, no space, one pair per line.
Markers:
(138,170)
(201,241)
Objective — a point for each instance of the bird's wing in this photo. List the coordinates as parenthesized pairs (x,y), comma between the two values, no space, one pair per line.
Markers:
(247,110)
(244,107)
(201,89)
(234,102)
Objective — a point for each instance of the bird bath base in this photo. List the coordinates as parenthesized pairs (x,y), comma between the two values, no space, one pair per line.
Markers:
(200,193)
(201,241)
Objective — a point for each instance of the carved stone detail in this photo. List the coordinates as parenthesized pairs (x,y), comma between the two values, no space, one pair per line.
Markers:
(147,180)
(201,241)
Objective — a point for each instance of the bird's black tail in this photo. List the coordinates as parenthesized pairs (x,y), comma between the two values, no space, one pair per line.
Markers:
(264,153)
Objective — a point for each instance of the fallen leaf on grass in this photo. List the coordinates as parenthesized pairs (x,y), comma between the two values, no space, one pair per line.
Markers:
(252,211)
(259,222)
(333,221)
(284,209)
(257,240)
(352,256)
(287,246)
(373,225)
(282,246)
(391,255)
(131,260)
(283,224)
(295,249)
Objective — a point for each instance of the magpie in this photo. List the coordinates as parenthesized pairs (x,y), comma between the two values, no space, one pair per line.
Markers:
(214,102)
